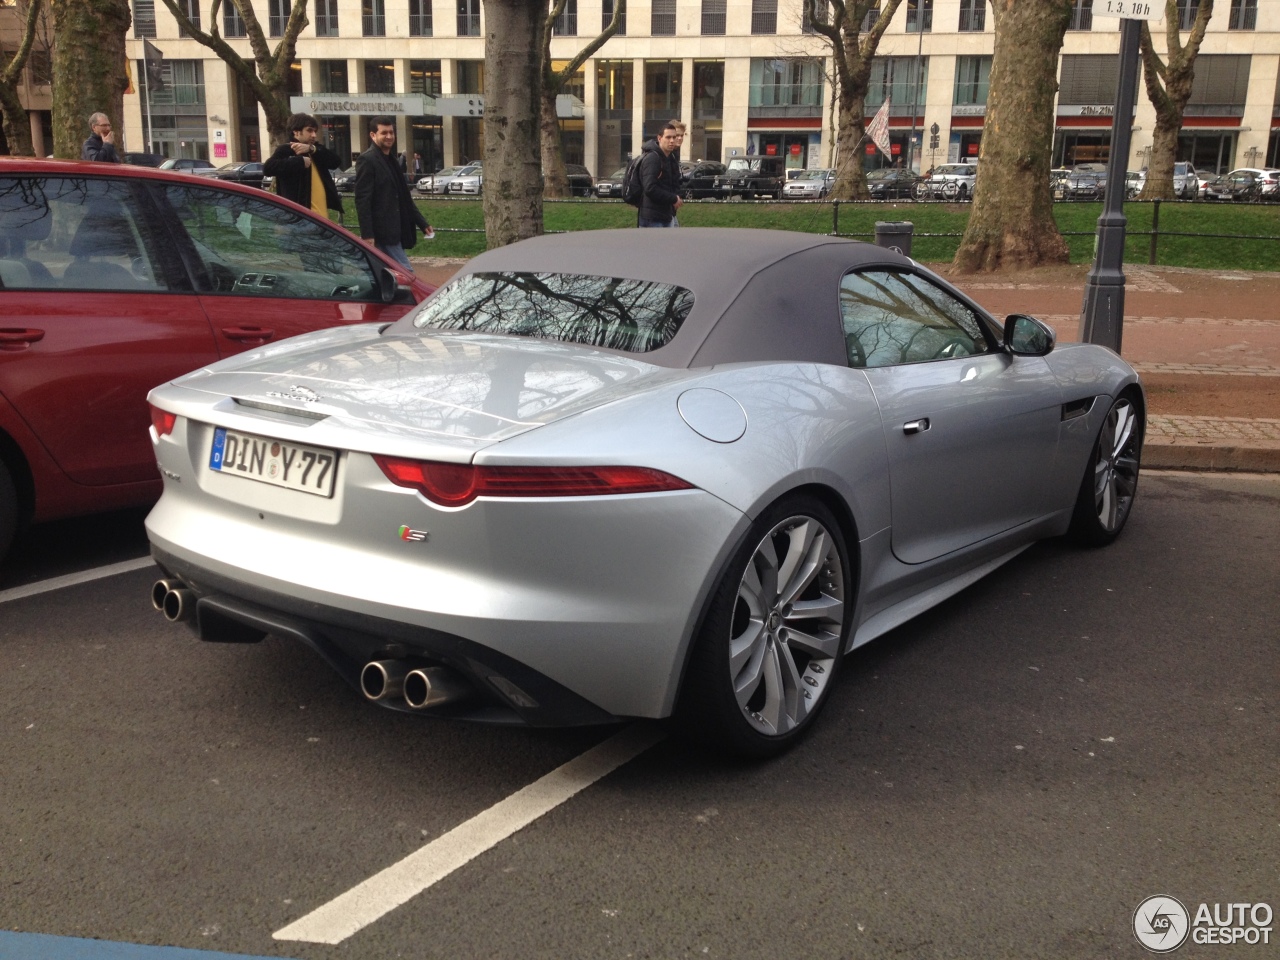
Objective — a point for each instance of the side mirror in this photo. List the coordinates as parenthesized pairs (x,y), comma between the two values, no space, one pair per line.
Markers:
(1026,336)
(387,285)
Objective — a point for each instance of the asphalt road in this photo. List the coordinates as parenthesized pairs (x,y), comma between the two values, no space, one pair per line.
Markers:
(1009,775)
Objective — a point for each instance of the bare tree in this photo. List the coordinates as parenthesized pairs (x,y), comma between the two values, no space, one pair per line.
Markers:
(1169,89)
(1011,223)
(267,73)
(852,50)
(88,68)
(17,130)
(553,81)
(512,155)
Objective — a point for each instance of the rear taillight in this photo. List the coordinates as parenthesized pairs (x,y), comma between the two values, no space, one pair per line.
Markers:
(457,484)
(163,421)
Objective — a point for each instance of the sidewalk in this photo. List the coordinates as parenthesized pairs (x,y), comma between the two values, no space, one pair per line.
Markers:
(1206,343)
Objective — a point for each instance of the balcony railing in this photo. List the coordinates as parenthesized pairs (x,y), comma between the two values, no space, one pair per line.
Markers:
(468,24)
(373,24)
(419,24)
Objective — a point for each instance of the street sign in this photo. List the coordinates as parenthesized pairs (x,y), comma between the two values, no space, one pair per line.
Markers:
(1129,9)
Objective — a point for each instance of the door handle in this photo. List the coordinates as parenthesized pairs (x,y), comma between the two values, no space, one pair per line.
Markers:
(18,338)
(916,426)
(248,334)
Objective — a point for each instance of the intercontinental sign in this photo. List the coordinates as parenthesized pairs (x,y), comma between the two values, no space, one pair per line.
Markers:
(410,104)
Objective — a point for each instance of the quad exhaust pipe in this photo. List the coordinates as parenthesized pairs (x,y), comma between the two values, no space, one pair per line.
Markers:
(174,599)
(422,688)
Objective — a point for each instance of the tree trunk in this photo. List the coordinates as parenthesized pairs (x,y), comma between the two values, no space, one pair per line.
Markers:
(1011,223)
(851,179)
(512,149)
(1169,88)
(556,179)
(88,70)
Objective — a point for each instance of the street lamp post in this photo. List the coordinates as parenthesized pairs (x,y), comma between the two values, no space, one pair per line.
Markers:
(918,6)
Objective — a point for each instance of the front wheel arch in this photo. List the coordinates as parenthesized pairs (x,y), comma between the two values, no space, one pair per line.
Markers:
(17,492)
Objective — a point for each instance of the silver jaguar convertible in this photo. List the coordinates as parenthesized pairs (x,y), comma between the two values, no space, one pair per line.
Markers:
(633,473)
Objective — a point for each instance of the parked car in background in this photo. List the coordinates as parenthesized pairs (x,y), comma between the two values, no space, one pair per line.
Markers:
(344,181)
(581,183)
(1186,184)
(1087,181)
(186,164)
(891,183)
(752,177)
(438,182)
(611,186)
(699,180)
(116,278)
(1243,186)
(949,181)
(598,478)
(144,159)
(1058,181)
(466,182)
(1206,181)
(1134,181)
(809,184)
(1268,181)
(248,172)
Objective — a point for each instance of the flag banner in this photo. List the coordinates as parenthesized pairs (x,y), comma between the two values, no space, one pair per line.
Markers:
(154,61)
(878,129)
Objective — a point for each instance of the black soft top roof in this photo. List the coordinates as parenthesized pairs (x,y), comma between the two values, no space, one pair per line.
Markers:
(763,295)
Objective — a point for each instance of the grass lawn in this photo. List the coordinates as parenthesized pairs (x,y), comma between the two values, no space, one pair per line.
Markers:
(937,226)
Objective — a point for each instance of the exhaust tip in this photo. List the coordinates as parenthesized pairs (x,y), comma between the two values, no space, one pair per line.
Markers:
(160,589)
(179,604)
(383,679)
(433,687)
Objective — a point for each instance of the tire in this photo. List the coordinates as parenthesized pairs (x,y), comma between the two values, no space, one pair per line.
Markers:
(950,190)
(1110,481)
(759,675)
(8,510)
(919,191)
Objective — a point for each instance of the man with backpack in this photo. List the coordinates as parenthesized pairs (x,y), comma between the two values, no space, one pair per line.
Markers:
(659,175)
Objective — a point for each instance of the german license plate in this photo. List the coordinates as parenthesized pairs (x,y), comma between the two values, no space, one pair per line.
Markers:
(290,465)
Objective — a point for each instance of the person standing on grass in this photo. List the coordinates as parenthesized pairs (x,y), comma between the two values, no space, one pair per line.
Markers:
(301,167)
(661,199)
(387,215)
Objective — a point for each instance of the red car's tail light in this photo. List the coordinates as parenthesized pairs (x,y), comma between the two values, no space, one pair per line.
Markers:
(457,484)
(163,421)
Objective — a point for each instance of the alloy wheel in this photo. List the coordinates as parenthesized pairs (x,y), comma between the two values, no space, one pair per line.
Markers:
(1115,472)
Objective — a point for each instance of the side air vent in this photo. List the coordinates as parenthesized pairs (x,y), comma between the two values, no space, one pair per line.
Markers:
(1077,408)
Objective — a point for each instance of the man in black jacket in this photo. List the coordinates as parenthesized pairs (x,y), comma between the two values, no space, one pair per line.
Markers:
(660,178)
(387,214)
(301,167)
(101,143)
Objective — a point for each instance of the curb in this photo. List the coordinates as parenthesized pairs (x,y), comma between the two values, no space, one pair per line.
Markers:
(1233,458)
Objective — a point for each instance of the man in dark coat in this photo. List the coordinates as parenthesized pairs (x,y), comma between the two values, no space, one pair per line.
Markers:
(387,214)
(101,143)
(301,167)
(660,178)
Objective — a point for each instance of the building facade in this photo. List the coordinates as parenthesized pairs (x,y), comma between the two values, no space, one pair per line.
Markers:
(746,75)
(35,90)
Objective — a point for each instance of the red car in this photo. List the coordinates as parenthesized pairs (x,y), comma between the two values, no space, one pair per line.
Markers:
(116,278)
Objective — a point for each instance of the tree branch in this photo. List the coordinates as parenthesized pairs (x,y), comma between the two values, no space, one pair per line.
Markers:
(14,68)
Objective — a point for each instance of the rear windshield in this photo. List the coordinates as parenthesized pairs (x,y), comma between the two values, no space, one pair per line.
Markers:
(632,315)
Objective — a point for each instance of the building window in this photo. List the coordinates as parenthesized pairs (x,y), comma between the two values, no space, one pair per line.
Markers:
(566,25)
(192,9)
(785,88)
(708,90)
(332,76)
(663,81)
(973,15)
(470,77)
(973,81)
(713,17)
(379,76)
(821,13)
(277,17)
(902,80)
(326,18)
(1187,10)
(1081,15)
(469,18)
(144,18)
(663,18)
(1244,15)
(870,19)
(920,12)
(764,16)
(419,18)
(232,22)
(1220,87)
(373,18)
(424,77)
(606,17)
(188,82)
(1088,80)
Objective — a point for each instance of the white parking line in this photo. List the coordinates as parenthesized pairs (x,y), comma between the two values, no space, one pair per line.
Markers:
(71,579)
(397,884)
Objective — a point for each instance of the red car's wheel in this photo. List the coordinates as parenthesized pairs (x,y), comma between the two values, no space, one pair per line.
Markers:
(8,510)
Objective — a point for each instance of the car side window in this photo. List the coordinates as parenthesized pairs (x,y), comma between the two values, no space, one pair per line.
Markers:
(77,233)
(256,248)
(891,317)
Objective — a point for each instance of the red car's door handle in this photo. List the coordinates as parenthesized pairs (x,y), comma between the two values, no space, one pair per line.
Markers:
(246,334)
(18,338)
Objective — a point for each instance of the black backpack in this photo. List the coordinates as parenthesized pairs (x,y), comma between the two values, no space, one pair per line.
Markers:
(632,188)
